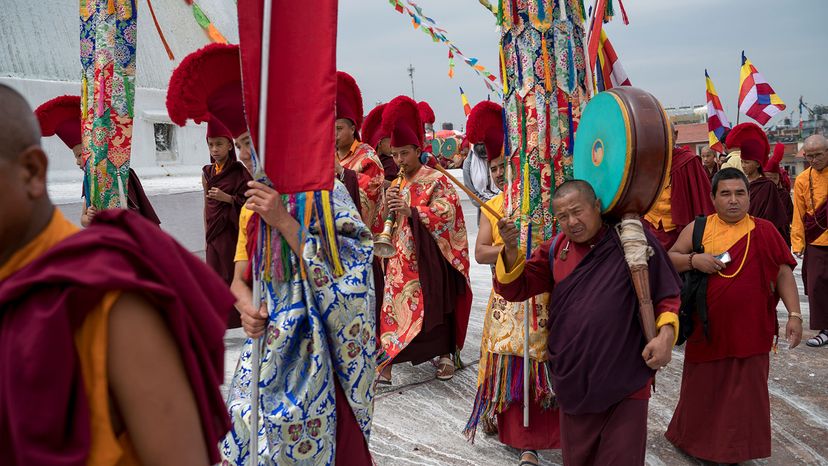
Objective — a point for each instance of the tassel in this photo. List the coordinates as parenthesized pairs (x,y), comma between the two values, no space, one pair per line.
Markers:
(609,12)
(515,14)
(330,230)
(500,13)
(110,7)
(571,136)
(160,32)
(547,72)
(122,196)
(570,82)
(562,4)
(583,10)
(623,13)
(541,11)
(84,99)
(503,71)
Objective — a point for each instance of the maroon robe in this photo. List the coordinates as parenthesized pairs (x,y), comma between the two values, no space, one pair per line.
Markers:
(137,200)
(389,167)
(815,267)
(44,413)
(444,291)
(766,203)
(690,195)
(595,339)
(723,413)
(221,220)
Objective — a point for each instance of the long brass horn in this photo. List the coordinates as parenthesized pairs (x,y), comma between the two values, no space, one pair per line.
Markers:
(383,247)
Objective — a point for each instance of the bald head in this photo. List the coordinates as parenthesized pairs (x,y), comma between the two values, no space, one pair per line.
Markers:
(19,129)
(815,151)
(581,187)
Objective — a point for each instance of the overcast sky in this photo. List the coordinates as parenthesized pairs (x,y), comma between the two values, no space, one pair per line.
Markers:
(665,49)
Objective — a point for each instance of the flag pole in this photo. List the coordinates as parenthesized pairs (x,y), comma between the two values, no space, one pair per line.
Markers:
(739,92)
(255,356)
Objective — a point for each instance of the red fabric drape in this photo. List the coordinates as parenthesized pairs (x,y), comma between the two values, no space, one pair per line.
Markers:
(301,89)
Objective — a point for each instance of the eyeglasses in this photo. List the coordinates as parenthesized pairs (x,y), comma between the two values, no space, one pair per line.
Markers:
(814,155)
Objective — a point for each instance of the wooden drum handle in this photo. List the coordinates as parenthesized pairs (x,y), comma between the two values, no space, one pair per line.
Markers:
(469,192)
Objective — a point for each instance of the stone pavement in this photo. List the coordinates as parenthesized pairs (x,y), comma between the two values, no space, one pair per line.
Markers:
(419,420)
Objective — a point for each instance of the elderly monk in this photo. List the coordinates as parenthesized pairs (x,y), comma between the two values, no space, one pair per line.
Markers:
(809,233)
(682,199)
(711,165)
(723,413)
(602,370)
(103,332)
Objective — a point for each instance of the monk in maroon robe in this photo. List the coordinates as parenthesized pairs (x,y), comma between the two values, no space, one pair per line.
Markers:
(765,201)
(601,368)
(723,413)
(684,198)
(103,331)
(774,172)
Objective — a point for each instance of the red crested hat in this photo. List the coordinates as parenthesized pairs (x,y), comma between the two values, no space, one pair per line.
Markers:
(61,116)
(208,82)
(426,113)
(348,99)
(401,118)
(216,129)
(773,164)
(751,139)
(372,130)
(485,126)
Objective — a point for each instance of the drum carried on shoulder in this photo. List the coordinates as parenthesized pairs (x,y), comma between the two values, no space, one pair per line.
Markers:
(624,149)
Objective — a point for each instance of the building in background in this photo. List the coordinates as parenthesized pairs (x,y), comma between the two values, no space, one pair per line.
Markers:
(41,59)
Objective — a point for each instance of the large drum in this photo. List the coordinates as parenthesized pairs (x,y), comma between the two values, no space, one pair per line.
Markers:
(623,148)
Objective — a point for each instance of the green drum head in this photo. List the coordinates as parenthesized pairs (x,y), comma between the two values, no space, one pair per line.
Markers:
(602,147)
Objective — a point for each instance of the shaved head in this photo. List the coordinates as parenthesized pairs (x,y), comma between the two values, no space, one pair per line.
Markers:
(25,209)
(575,186)
(815,151)
(815,142)
(19,129)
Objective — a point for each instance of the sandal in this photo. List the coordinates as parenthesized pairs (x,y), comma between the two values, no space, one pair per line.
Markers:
(820,339)
(524,462)
(445,369)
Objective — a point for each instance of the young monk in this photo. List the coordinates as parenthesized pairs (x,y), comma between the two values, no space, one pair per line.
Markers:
(225,182)
(111,338)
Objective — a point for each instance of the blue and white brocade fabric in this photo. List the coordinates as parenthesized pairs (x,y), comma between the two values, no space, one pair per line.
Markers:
(320,327)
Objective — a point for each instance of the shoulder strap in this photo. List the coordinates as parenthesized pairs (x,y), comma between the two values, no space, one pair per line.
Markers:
(552,251)
(698,233)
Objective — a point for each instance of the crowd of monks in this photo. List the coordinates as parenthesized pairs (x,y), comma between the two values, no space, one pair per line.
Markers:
(127,326)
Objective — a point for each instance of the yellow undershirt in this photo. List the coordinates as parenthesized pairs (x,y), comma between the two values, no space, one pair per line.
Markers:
(720,236)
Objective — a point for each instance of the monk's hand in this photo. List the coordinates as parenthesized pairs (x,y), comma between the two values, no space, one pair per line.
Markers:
(338,167)
(254,321)
(659,351)
(90,212)
(793,332)
(706,263)
(509,233)
(399,206)
(219,195)
(267,202)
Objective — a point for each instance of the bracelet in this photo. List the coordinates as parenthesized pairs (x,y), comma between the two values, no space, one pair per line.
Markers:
(795,314)
(690,260)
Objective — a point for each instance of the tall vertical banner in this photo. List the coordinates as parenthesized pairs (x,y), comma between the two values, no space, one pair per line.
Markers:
(544,81)
(108,37)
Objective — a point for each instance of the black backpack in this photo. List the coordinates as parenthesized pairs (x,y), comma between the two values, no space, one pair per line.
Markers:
(694,290)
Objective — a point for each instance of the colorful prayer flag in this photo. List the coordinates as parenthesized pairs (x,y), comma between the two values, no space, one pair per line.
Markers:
(608,70)
(717,121)
(465,101)
(756,97)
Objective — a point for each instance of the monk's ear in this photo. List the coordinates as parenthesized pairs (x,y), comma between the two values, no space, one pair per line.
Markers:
(34,163)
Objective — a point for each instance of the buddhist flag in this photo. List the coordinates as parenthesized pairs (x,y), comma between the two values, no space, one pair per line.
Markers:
(717,121)
(466,106)
(756,98)
(608,70)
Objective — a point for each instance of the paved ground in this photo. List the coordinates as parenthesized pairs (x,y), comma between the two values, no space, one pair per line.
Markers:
(418,421)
